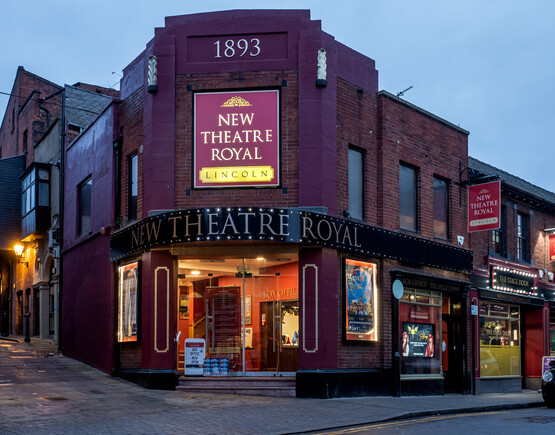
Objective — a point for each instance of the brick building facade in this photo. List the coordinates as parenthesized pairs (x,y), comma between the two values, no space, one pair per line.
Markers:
(322,239)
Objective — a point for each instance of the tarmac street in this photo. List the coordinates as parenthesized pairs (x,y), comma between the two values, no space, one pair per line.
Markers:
(44,394)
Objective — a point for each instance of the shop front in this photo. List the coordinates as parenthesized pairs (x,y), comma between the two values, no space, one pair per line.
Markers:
(280,292)
(432,335)
(511,324)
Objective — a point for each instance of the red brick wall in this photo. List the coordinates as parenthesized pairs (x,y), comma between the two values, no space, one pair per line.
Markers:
(131,123)
(434,148)
(22,114)
(271,197)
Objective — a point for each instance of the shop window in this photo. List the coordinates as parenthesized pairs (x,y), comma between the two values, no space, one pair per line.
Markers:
(241,303)
(498,236)
(128,297)
(356,183)
(85,198)
(441,208)
(407,198)
(35,199)
(421,332)
(133,166)
(499,340)
(522,247)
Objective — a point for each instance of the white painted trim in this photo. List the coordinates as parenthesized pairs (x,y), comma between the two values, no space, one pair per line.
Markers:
(167,310)
(315,307)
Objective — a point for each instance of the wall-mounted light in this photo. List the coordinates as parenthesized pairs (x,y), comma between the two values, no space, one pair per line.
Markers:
(152,75)
(19,250)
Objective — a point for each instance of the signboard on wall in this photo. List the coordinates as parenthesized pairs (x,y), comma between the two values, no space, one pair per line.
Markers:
(513,281)
(127,302)
(552,247)
(361,323)
(236,141)
(418,340)
(484,206)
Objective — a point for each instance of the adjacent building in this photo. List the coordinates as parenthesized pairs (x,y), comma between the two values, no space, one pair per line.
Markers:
(513,286)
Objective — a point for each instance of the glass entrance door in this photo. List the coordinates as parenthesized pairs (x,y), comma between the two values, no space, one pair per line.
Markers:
(246,310)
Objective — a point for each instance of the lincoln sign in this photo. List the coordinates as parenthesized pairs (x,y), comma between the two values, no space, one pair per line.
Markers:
(236,139)
(283,225)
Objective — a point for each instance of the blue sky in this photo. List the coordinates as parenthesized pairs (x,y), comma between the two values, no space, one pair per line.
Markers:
(485,65)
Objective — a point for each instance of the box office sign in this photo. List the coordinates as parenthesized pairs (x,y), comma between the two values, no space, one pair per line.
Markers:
(236,142)
(360,301)
(484,206)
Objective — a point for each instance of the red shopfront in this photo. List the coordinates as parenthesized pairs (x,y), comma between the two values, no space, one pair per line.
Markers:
(510,322)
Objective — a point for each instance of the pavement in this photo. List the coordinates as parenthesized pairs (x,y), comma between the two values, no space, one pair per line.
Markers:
(43,392)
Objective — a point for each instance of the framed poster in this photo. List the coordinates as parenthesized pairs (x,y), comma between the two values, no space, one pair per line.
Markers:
(128,300)
(248,310)
(418,340)
(361,322)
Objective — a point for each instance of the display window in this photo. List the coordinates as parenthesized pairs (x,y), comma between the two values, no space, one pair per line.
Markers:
(128,298)
(245,308)
(499,340)
(420,333)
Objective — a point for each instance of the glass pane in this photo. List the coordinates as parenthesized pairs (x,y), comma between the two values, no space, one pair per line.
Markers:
(85,191)
(44,174)
(356,184)
(44,194)
(407,198)
(420,334)
(440,208)
(218,303)
(499,347)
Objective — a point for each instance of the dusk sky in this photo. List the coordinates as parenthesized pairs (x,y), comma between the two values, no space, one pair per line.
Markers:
(487,66)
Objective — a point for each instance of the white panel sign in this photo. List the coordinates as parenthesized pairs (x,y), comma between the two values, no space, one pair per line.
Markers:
(194,356)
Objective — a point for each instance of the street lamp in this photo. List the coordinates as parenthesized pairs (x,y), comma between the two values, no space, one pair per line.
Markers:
(18,249)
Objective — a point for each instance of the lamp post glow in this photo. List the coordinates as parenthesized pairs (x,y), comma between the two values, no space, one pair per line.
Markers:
(18,249)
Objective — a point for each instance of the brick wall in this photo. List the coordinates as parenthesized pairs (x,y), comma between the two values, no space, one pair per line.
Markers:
(131,123)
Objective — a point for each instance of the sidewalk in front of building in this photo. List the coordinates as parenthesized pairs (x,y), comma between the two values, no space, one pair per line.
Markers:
(44,392)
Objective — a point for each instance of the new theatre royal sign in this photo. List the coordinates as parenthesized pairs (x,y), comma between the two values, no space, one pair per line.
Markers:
(286,225)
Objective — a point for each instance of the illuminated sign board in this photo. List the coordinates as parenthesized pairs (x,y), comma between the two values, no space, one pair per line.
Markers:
(361,322)
(552,247)
(236,140)
(484,206)
(513,281)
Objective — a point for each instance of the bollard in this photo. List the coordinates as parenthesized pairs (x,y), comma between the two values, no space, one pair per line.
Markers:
(27,338)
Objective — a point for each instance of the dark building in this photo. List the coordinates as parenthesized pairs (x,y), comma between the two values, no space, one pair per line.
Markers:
(254,202)
(40,115)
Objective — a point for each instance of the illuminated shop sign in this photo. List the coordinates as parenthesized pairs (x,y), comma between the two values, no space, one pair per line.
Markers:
(128,302)
(236,139)
(513,281)
(361,322)
(284,225)
(484,206)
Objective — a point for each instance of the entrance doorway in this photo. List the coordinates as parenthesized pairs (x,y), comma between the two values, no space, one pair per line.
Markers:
(452,345)
(246,309)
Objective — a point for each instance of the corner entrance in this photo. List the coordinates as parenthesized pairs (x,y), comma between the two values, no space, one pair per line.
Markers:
(246,309)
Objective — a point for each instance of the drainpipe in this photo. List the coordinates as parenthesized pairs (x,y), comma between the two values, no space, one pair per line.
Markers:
(61,213)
